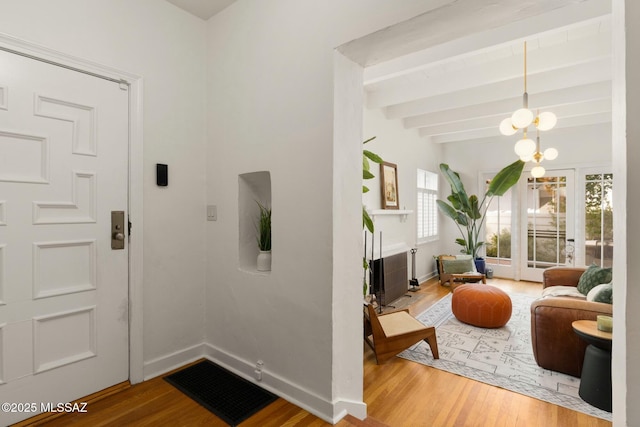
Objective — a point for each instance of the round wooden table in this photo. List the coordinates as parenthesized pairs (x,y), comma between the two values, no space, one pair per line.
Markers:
(595,381)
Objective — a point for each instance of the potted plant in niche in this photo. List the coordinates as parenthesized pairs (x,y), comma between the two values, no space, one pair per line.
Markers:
(264,238)
(468,212)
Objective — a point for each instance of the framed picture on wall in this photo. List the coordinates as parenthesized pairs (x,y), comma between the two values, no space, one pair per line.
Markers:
(389,185)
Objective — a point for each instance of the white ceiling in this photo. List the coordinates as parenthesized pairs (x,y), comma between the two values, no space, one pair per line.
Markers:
(204,9)
(462,89)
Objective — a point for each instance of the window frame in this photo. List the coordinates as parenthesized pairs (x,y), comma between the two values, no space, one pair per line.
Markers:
(427,222)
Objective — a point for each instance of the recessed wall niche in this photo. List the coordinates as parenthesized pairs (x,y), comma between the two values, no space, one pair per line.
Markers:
(253,187)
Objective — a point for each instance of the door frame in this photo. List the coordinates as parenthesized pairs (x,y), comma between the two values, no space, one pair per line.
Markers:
(135,188)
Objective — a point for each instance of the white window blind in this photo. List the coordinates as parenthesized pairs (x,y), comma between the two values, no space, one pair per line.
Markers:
(427,215)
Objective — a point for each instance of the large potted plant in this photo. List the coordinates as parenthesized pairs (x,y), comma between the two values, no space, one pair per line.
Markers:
(469,212)
(264,238)
(367,222)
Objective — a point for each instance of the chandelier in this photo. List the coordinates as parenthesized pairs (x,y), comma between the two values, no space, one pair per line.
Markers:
(526,148)
(538,156)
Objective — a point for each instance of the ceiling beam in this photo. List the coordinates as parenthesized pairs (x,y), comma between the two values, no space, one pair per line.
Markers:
(487,38)
(545,100)
(489,132)
(541,63)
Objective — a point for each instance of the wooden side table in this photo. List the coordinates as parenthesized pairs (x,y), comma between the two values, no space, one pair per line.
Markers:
(595,382)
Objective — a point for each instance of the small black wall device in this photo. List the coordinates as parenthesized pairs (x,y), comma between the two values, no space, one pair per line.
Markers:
(162,175)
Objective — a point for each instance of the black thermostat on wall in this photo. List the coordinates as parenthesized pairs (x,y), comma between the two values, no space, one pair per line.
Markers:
(162,175)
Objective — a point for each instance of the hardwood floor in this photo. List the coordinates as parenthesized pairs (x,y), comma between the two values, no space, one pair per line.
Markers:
(399,393)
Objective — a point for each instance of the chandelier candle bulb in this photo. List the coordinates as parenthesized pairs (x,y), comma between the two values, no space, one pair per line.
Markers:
(522,118)
(550,154)
(546,121)
(537,172)
(507,128)
(525,147)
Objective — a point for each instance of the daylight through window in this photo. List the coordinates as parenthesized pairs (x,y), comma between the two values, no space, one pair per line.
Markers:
(427,209)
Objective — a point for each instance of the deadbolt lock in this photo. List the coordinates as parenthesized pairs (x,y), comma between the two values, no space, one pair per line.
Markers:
(117,230)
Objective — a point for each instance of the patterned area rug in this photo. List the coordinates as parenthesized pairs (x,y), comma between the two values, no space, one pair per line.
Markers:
(501,357)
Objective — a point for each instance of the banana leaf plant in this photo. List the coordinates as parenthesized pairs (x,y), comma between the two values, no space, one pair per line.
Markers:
(468,212)
(366,174)
(367,222)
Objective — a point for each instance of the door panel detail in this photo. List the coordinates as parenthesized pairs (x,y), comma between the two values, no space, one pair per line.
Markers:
(81,117)
(4,98)
(24,157)
(61,268)
(82,208)
(2,353)
(2,280)
(63,338)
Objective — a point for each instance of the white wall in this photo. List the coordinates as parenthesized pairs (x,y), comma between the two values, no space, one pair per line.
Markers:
(409,151)
(271,107)
(166,46)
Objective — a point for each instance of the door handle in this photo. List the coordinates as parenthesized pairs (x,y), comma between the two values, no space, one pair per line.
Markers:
(117,230)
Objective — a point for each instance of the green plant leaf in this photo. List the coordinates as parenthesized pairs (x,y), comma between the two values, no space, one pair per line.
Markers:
(365,164)
(370,139)
(474,209)
(447,209)
(505,179)
(452,178)
(455,201)
(366,220)
(365,189)
(462,219)
(461,242)
(371,156)
(264,228)
(367,175)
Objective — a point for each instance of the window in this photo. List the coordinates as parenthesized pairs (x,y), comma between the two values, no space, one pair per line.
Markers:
(498,229)
(427,208)
(598,234)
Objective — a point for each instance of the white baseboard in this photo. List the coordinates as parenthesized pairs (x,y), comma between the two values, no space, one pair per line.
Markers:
(169,362)
(331,412)
(427,276)
(293,393)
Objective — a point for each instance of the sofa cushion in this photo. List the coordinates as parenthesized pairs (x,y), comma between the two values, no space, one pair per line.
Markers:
(468,257)
(457,266)
(601,293)
(592,277)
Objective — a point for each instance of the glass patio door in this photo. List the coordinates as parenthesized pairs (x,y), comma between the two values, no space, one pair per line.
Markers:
(547,222)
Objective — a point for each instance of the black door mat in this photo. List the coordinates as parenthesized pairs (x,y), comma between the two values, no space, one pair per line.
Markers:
(227,395)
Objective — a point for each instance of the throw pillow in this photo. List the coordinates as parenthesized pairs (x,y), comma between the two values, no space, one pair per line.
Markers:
(593,277)
(561,291)
(475,270)
(457,266)
(601,293)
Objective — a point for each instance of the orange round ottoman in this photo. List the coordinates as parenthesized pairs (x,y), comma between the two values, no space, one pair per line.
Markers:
(481,305)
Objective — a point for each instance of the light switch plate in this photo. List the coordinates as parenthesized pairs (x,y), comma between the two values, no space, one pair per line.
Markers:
(212,213)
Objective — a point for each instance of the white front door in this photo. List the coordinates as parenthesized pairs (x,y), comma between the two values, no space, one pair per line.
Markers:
(63,289)
(548,221)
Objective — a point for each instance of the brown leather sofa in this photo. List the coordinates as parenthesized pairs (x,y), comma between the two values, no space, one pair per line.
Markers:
(555,345)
